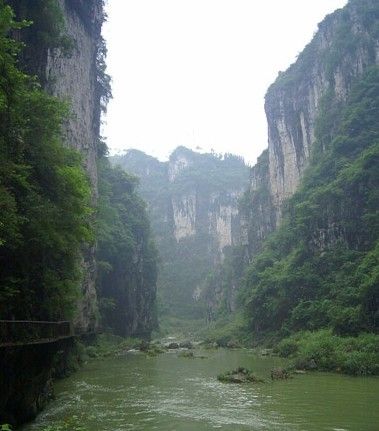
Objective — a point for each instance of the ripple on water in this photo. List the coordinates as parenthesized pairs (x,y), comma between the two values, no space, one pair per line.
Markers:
(168,394)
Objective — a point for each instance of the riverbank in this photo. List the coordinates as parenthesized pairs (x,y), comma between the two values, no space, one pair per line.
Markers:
(316,351)
(311,350)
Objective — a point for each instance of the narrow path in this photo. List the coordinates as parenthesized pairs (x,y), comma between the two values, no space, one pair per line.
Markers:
(14,333)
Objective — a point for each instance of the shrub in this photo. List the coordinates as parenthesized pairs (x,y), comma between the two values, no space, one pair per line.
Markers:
(287,347)
(323,350)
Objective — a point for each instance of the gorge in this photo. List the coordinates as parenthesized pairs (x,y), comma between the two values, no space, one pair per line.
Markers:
(282,256)
(193,205)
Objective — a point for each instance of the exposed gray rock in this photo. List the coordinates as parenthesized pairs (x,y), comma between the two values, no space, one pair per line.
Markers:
(173,346)
(340,52)
(293,101)
(73,78)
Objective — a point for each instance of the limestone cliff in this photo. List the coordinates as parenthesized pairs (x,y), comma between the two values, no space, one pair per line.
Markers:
(193,204)
(345,45)
(198,205)
(63,48)
(75,77)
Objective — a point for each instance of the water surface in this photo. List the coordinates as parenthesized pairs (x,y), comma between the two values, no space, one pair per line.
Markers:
(168,393)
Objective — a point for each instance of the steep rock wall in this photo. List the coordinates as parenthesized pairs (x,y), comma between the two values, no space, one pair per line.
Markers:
(341,50)
(184,213)
(187,200)
(345,46)
(193,205)
(198,206)
(63,48)
(73,77)
(257,212)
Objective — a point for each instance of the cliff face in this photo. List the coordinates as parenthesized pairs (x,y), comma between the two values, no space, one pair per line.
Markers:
(188,201)
(301,105)
(345,45)
(198,207)
(257,211)
(193,205)
(74,77)
(342,49)
(317,187)
(127,273)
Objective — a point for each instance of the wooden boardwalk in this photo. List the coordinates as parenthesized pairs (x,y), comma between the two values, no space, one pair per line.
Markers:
(14,333)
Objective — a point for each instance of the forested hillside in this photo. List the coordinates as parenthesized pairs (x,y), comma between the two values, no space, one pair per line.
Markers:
(126,256)
(310,263)
(44,195)
(193,206)
(51,217)
(320,268)
(67,218)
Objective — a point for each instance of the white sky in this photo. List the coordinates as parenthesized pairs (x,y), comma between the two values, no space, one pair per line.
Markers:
(195,72)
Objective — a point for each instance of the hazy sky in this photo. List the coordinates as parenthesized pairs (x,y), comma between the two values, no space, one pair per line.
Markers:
(194,72)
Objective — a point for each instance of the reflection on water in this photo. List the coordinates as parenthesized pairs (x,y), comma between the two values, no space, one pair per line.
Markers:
(136,392)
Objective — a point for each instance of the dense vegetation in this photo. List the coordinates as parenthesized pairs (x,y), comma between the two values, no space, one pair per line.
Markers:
(209,172)
(126,256)
(315,280)
(44,195)
(185,263)
(49,220)
(319,270)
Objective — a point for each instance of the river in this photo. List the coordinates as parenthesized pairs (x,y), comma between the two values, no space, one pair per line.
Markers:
(169,393)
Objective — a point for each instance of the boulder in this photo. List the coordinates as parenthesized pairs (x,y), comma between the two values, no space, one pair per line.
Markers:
(144,346)
(279,374)
(186,344)
(240,375)
(233,344)
(173,346)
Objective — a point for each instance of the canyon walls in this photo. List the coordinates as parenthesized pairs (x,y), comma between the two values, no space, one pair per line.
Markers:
(344,47)
(193,205)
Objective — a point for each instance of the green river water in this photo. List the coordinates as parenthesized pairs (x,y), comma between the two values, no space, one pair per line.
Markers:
(167,393)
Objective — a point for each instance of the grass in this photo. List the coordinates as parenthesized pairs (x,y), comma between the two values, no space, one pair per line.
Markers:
(357,356)
(109,345)
(227,331)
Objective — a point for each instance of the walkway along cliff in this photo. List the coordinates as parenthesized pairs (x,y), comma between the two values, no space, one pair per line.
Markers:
(74,237)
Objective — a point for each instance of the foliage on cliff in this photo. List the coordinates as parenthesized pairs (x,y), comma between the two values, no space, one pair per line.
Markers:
(47,32)
(208,172)
(209,181)
(126,255)
(355,28)
(44,195)
(320,268)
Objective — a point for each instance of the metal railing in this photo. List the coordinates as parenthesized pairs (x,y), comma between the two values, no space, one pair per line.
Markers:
(20,332)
